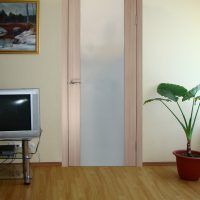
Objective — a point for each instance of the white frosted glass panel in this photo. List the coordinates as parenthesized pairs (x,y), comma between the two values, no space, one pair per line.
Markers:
(102,82)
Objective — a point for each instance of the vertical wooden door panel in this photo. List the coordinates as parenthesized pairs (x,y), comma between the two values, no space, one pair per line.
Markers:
(74,89)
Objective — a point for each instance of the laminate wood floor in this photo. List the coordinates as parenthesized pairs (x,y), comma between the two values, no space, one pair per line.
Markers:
(102,183)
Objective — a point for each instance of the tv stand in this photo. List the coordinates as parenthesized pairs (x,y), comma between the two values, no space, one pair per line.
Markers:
(21,153)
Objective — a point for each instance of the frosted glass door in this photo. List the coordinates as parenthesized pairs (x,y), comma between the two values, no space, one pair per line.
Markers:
(102,83)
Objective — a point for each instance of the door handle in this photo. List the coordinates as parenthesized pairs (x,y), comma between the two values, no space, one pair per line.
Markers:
(74,82)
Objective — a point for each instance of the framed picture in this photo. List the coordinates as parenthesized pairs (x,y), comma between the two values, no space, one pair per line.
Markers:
(19,26)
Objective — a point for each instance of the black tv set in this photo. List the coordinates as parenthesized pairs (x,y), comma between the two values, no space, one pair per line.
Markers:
(19,114)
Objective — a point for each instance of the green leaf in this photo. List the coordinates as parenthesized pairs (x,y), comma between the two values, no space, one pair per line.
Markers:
(156,99)
(191,93)
(171,91)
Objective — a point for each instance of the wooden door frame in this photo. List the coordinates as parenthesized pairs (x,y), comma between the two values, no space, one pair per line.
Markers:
(133,82)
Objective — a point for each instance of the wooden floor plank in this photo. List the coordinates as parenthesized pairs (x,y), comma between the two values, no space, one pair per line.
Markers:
(101,183)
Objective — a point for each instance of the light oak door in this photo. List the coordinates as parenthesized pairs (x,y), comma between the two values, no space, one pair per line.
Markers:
(103,114)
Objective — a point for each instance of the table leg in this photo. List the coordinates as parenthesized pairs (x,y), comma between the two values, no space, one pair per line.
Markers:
(26,162)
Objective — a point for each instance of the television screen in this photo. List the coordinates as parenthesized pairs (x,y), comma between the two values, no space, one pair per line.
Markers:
(19,114)
(15,112)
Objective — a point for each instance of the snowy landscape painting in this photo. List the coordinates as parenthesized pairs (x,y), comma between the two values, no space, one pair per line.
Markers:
(19,26)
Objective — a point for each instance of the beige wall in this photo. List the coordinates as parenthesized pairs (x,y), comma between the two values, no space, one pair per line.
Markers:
(41,71)
(171,46)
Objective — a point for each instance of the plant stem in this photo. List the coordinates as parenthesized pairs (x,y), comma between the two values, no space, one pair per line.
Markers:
(184,128)
(189,151)
(190,121)
(195,117)
(182,114)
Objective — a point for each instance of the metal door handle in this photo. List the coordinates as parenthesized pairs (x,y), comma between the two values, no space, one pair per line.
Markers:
(74,82)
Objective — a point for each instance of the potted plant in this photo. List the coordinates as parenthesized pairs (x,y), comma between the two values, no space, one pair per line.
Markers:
(188,161)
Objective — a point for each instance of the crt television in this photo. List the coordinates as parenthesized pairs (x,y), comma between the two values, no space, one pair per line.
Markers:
(19,114)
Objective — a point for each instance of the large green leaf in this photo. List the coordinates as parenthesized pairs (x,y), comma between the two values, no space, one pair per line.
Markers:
(156,99)
(171,91)
(191,93)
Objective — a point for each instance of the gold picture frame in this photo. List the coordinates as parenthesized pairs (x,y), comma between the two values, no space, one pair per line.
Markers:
(19,26)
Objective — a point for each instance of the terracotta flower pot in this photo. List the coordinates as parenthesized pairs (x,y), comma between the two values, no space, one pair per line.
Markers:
(188,167)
